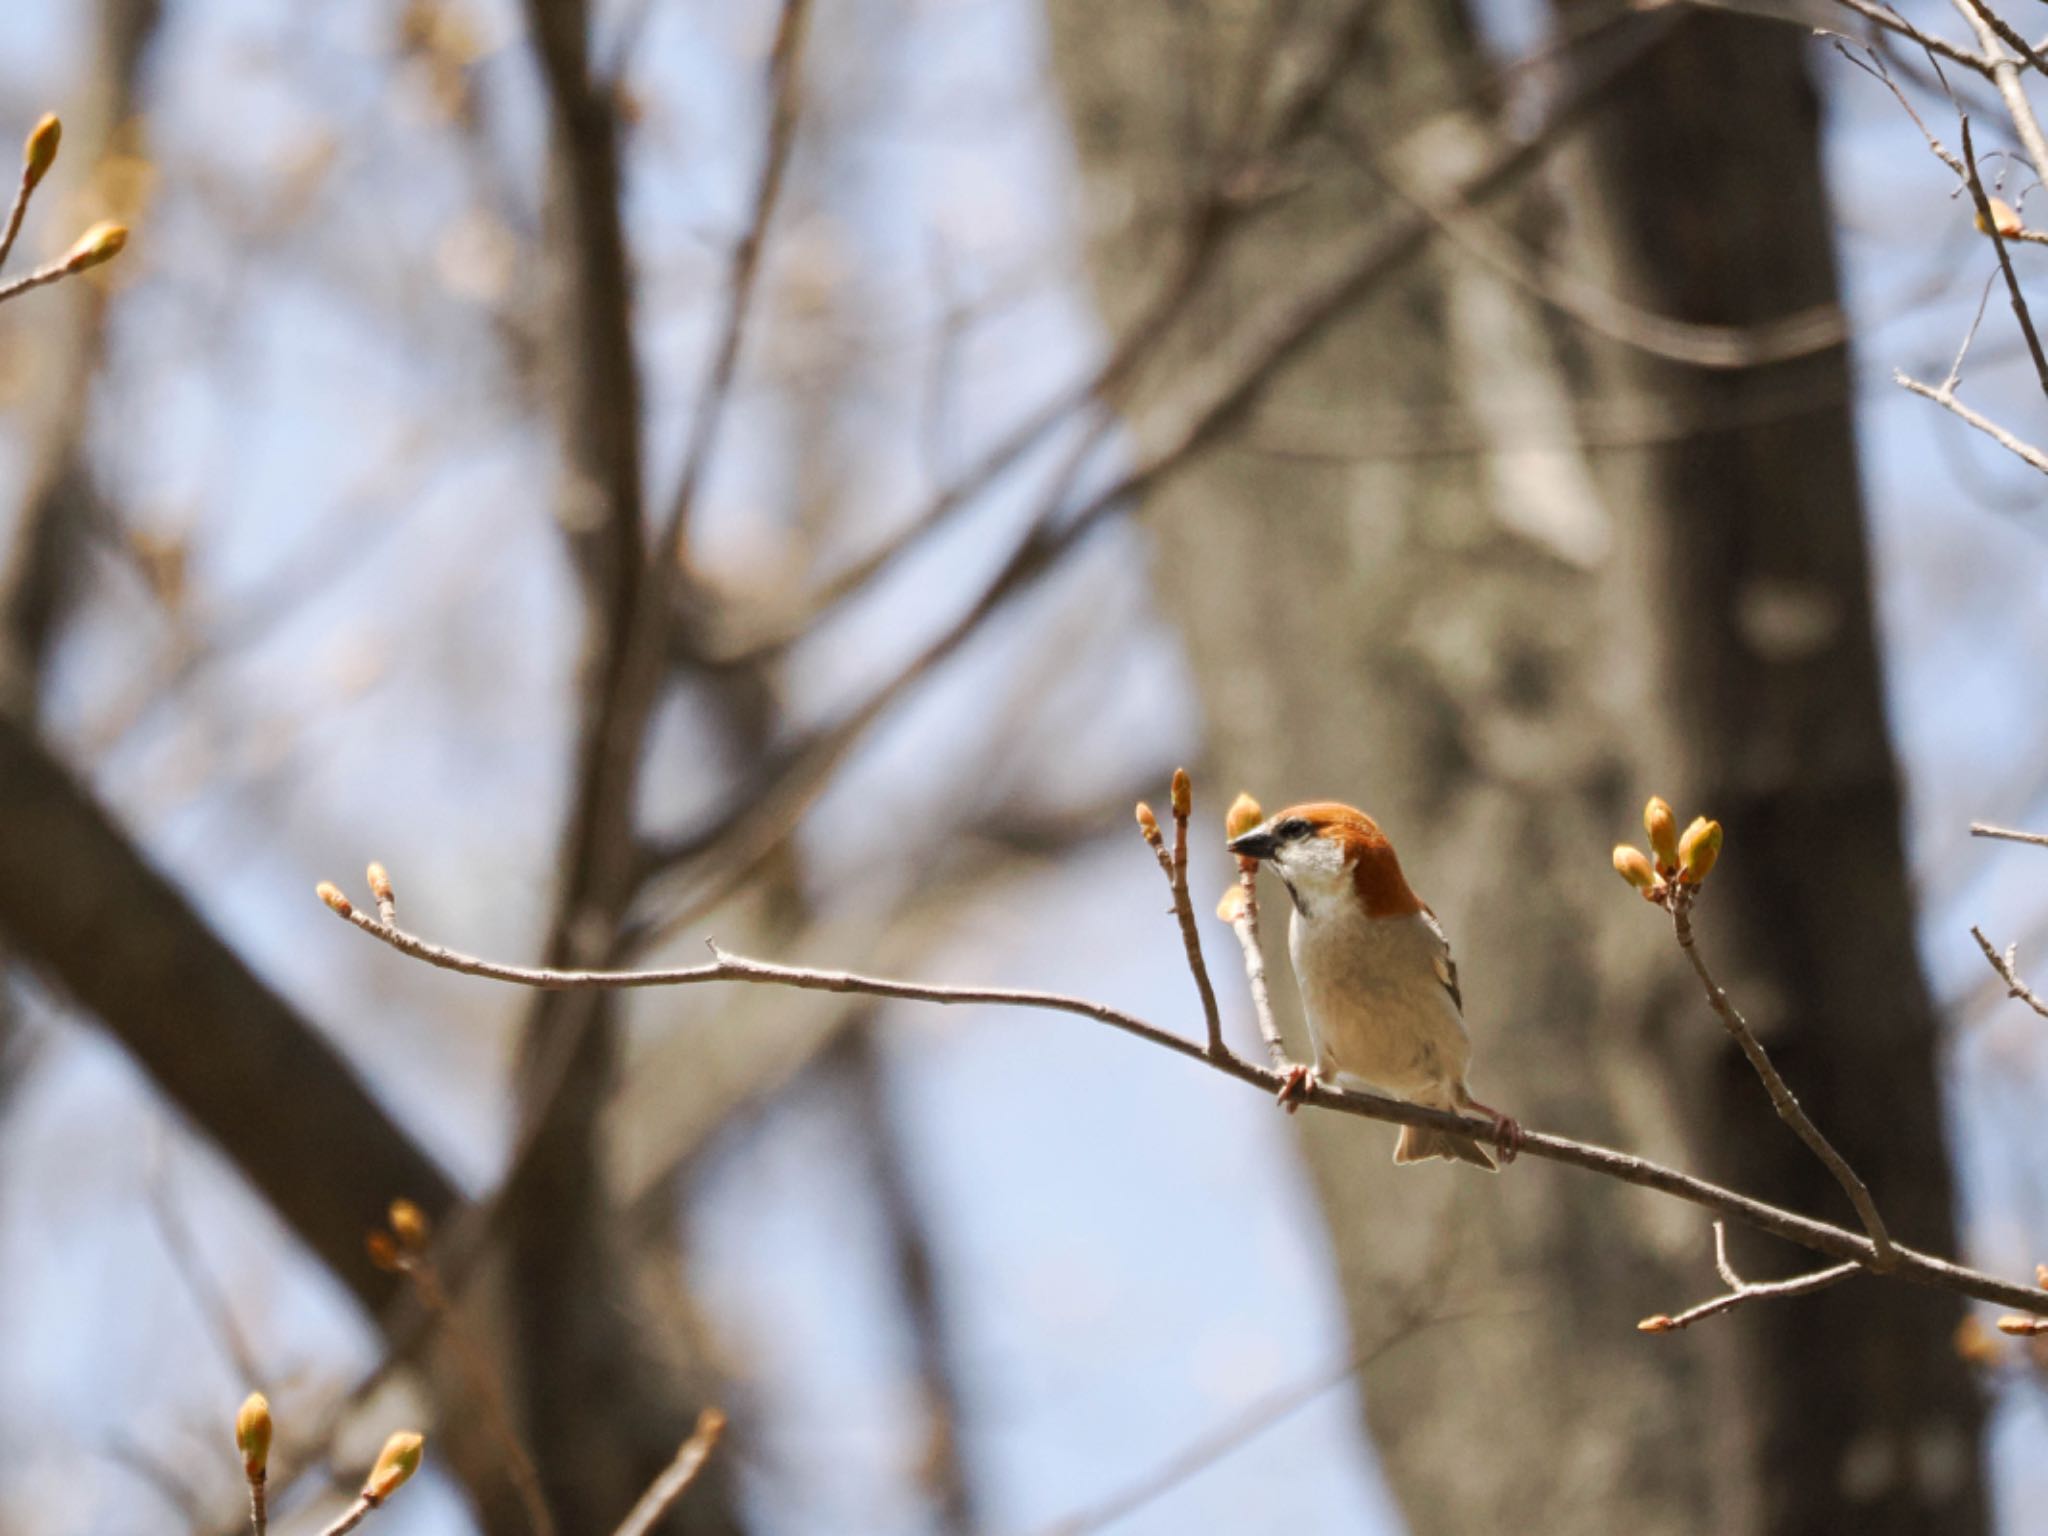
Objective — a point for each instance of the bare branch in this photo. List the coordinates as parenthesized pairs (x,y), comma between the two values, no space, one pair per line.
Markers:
(1819,1236)
(1175,867)
(1946,399)
(2008,834)
(1741,1290)
(2006,966)
(681,1472)
(2005,74)
(1989,221)
(784,93)
(1782,1099)
(1240,909)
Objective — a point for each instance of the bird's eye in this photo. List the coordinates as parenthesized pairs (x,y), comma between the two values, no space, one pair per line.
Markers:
(1290,829)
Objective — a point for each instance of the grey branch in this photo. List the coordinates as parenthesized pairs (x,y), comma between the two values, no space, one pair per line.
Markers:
(2006,965)
(678,1476)
(1821,1237)
(1741,1290)
(1782,1098)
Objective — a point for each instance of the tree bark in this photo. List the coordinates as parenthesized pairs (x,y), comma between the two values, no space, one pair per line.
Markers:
(1476,636)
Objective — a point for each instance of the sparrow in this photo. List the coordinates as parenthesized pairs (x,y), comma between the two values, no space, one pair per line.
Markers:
(1376,976)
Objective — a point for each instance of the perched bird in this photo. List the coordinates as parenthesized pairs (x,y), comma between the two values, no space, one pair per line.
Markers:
(1375,971)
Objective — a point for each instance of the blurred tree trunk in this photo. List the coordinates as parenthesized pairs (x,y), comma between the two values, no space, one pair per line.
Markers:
(1499,642)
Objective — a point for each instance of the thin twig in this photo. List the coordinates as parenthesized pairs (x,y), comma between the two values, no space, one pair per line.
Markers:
(2006,34)
(1989,220)
(353,1516)
(1947,401)
(2006,965)
(1741,1290)
(2005,74)
(1808,1232)
(1782,1099)
(676,1477)
(784,91)
(42,277)
(15,213)
(486,1381)
(2008,834)
(1174,865)
(1242,913)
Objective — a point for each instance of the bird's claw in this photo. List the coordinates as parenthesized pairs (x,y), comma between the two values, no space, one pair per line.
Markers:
(1507,1137)
(1294,1088)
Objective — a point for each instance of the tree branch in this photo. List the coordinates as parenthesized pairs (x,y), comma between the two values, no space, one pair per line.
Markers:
(1741,1290)
(1782,1098)
(1819,1236)
(2005,965)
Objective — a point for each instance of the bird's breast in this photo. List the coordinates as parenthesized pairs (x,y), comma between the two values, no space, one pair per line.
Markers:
(1377,1007)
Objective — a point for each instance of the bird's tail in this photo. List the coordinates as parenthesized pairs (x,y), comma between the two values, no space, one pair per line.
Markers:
(1418,1145)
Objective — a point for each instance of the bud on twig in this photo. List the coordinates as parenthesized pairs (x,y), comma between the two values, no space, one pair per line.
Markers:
(1148,824)
(380,884)
(1183,794)
(409,1224)
(399,1459)
(252,1435)
(1662,826)
(1231,907)
(330,893)
(1633,866)
(1243,815)
(1657,1324)
(1698,850)
(101,243)
(39,153)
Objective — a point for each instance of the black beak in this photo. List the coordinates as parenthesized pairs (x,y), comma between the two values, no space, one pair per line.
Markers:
(1255,844)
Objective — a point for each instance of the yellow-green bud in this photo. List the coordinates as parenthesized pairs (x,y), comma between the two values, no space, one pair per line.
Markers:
(380,883)
(1243,815)
(1698,849)
(399,1459)
(101,243)
(252,1435)
(1662,825)
(1633,866)
(330,893)
(1183,793)
(39,153)
(1148,823)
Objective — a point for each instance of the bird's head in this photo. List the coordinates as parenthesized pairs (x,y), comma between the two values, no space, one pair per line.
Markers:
(1330,854)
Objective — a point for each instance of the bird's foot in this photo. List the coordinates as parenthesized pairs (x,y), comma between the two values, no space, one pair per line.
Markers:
(1507,1131)
(1294,1088)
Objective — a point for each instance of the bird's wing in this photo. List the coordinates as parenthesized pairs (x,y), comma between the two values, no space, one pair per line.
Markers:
(1446,967)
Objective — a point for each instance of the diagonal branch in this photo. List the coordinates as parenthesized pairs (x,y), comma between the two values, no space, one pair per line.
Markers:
(1782,1098)
(1819,1236)
(1945,398)
(784,96)
(1740,1290)
(2007,967)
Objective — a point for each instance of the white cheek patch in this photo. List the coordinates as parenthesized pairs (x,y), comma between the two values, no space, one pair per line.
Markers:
(1314,866)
